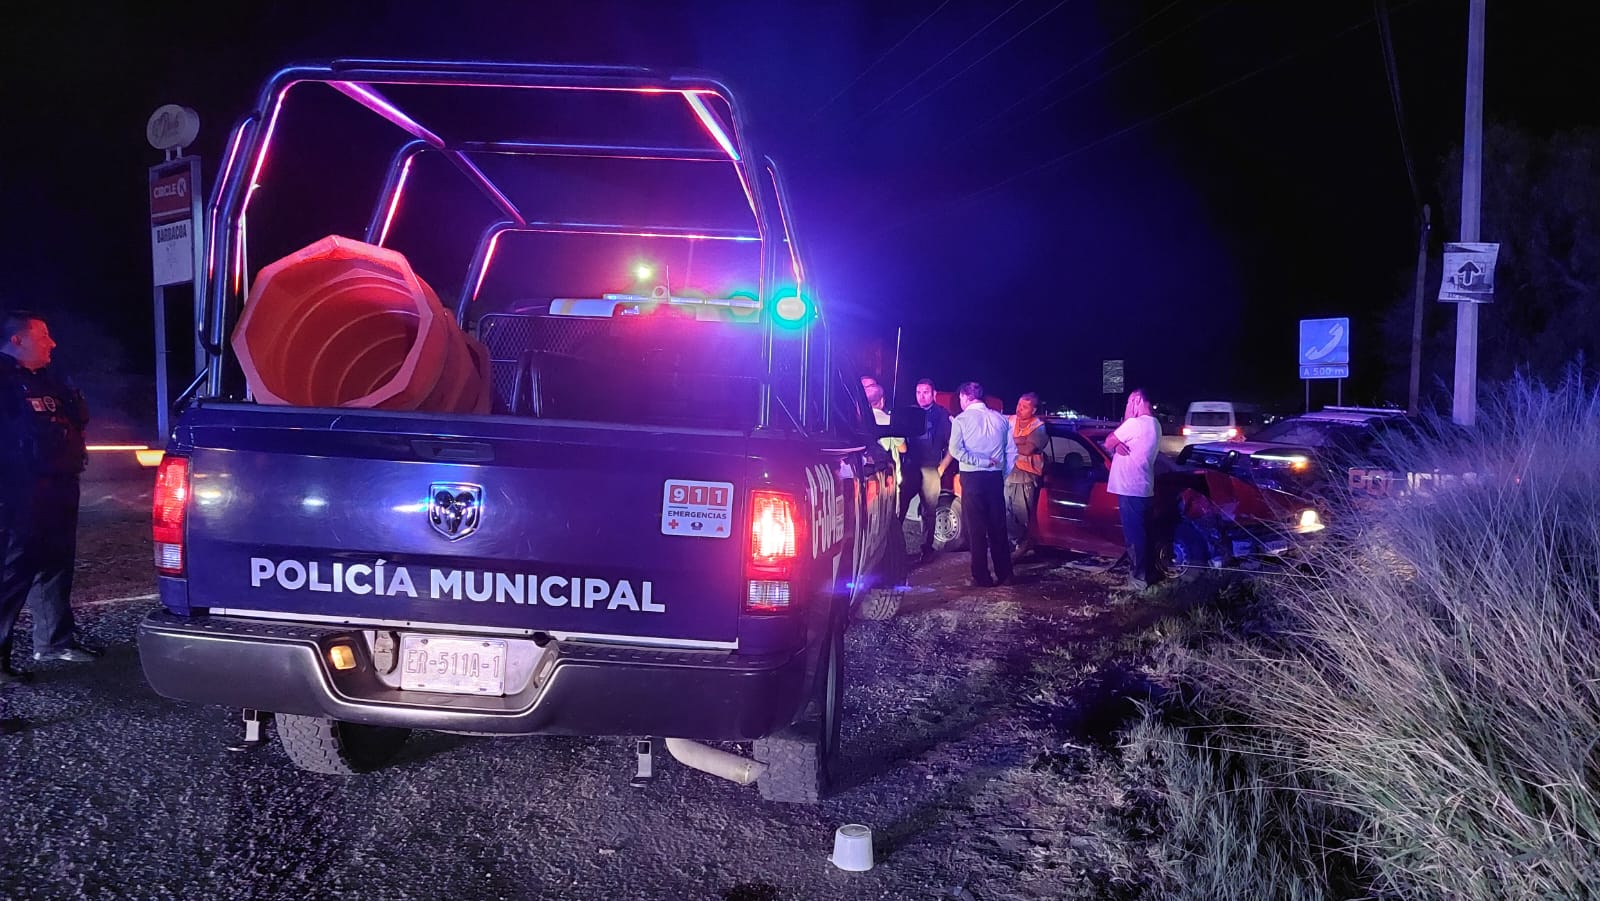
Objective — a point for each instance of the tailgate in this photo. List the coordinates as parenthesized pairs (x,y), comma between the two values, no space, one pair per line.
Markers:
(452,521)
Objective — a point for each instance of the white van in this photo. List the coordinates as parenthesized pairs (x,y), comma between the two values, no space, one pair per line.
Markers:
(1218,420)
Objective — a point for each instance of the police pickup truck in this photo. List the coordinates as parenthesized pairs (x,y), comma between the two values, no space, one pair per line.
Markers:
(652,515)
(1343,452)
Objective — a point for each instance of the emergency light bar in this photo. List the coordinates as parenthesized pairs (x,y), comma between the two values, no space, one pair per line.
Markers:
(706,309)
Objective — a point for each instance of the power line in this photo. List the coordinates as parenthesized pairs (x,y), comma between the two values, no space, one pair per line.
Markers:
(940,61)
(1107,73)
(1392,72)
(1081,62)
(946,83)
(1149,120)
(881,57)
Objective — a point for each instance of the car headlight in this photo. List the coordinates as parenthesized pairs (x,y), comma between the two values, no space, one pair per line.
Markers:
(1295,462)
(1310,521)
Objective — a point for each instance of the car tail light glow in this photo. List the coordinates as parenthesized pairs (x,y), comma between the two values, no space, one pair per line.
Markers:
(1232,434)
(774,537)
(772,529)
(1187,431)
(168,508)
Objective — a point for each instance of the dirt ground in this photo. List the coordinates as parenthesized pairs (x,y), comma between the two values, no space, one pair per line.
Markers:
(1008,702)
(979,746)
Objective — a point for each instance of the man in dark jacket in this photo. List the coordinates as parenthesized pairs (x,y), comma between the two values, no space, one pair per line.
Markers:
(41,455)
(922,465)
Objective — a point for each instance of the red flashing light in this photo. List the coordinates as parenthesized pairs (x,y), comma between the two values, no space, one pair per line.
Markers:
(168,507)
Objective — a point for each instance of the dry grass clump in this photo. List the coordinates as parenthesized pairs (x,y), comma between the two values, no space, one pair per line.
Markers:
(1421,720)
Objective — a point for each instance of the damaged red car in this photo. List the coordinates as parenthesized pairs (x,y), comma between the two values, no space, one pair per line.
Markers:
(1202,516)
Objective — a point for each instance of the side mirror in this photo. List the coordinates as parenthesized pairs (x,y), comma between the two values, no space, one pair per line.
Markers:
(1185,454)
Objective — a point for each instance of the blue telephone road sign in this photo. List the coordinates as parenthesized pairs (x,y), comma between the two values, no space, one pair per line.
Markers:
(1324,348)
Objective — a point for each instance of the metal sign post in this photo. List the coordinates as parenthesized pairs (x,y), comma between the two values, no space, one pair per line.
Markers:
(176,243)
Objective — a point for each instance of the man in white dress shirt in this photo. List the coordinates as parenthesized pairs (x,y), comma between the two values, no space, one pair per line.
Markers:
(981,443)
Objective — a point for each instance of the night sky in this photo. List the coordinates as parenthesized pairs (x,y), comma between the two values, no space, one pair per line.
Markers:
(1027,188)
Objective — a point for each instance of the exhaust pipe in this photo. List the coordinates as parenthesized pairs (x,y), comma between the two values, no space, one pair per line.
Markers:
(707,759)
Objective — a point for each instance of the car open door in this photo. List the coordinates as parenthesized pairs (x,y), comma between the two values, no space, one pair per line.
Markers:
(1075,510)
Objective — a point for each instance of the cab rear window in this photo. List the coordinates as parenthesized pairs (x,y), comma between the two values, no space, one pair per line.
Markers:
(648,370)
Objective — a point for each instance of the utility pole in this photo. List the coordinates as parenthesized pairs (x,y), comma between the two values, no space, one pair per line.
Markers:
(1464,409)
(1416,314)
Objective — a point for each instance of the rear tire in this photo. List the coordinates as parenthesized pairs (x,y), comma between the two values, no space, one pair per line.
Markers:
(336,748)
(948,534)
(800,759)
(1167,563)
(881,604)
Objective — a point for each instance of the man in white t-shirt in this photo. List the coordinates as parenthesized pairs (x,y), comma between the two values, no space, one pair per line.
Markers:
(1133,447)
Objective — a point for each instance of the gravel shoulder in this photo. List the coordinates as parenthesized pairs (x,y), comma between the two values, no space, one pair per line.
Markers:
(979,747)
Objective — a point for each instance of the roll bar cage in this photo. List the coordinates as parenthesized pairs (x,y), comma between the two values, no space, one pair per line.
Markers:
(364,81)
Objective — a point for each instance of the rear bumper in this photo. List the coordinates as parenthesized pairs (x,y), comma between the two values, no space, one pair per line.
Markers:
(591,689)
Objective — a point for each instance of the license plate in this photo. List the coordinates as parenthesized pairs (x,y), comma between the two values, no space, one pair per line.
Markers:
(465,666)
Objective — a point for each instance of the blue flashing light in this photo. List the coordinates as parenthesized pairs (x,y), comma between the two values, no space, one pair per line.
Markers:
(791,309)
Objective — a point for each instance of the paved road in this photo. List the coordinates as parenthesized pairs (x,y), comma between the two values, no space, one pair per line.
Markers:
(113,792)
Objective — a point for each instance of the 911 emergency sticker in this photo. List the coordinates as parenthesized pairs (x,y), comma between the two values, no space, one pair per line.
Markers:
(697,509)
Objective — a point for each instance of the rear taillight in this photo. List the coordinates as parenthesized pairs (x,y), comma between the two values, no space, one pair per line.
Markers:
(167,512)
(1187,431)
(1232,434)
(774,538)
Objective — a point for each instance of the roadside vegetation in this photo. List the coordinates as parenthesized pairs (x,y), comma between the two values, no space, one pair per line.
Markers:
(1418,714)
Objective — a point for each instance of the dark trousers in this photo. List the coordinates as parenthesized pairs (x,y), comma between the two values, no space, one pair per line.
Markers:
(923,482)
(1136,535)
(1022,506)
(983,516)
(38,544)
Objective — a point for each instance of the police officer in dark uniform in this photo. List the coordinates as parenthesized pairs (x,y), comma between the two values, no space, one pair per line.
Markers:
(924,463)
(41,456)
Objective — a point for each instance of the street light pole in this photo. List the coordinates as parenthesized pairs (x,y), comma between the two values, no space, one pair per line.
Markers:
(1464,408)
